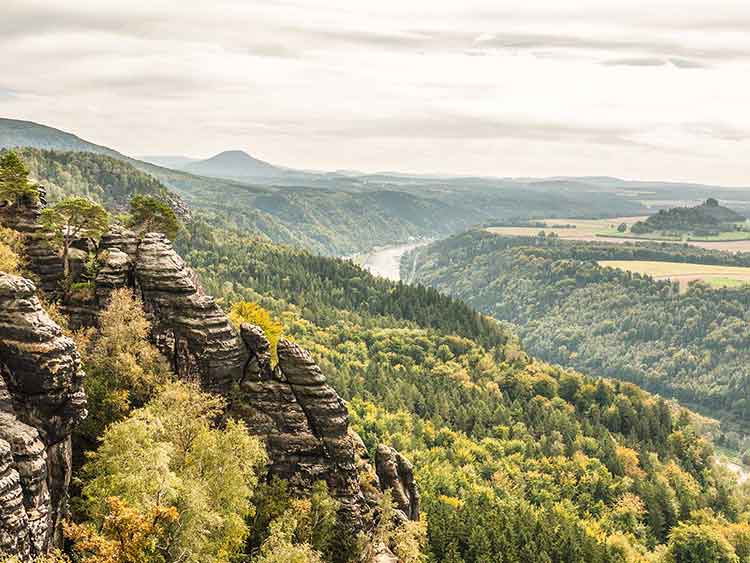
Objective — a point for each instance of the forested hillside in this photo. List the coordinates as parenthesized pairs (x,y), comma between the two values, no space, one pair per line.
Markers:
(569,310)
(341,214)
(516,460)
(101,178)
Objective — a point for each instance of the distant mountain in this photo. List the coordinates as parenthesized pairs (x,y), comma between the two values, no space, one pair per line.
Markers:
(235,164)
(17,133)
(175,162)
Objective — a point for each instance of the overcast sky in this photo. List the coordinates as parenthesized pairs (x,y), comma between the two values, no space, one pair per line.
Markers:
(651,90)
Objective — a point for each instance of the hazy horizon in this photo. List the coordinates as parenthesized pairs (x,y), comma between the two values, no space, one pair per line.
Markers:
(599,88)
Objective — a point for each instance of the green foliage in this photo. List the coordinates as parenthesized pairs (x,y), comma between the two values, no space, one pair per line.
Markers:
(14,179)
(407,540)
(280,546)
(239,267)
(10,247)
(513,457)
(123,369)
(100,178)
(72,218)
(699,543)
(149,214)
(171,455)
(314,527)
(569,310)
(252,313)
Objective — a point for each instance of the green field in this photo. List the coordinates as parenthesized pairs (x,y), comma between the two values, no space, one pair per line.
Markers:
(573,229)
(605,230)
(684,273)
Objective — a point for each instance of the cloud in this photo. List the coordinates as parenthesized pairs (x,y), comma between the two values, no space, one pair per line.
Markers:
(7,94)
(720,131)
(687,63)
(645,61)
(308,82)
(457,126)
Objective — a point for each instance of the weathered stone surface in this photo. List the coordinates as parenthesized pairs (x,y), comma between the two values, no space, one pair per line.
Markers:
(303,421)
(41,400)
(14,522)
(121,238)
(43,259)
(189,327)
(396,473)
(116,271)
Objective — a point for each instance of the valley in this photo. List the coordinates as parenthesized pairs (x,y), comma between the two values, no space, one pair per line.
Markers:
(383,282)
(386,262)
(482,418)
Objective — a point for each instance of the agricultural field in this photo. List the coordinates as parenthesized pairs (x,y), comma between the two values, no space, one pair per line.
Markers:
(605,230)
(715,276)
(571,229)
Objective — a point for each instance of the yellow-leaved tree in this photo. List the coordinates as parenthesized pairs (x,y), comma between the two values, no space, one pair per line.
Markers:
(123,369)
(171,462)
(252,313)
(10,247)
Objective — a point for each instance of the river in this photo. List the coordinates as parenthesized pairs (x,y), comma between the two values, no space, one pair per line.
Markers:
(386,261)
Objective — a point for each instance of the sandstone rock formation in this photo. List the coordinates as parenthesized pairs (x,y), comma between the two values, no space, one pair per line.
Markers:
(301,418)
(41,400)
(397,474)
(303,421)
(44,261)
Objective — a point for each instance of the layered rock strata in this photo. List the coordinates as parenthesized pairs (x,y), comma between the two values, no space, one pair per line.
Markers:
(43,260)
(302,420)
(41,401)
(396,473)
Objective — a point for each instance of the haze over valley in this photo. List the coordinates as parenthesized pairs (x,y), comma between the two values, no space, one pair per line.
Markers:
(308,282)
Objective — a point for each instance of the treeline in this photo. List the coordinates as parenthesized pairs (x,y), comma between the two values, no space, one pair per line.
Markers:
(101,178)
(516,460)
(230,262)
(570,310)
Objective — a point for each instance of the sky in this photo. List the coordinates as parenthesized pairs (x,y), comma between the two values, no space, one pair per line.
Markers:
(652,90)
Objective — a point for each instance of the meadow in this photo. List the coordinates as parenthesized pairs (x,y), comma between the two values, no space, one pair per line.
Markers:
(684,273)
(605,230)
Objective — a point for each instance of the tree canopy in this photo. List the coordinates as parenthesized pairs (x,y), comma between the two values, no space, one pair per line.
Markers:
(149,214)
(72,218)
(14,179)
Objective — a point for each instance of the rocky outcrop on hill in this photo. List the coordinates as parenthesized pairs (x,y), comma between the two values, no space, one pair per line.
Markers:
(41,400)
(44,261)
(301,418)
(304,422)
(396,473)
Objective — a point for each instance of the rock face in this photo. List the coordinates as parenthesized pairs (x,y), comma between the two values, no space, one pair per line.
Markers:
(189,326)
(396,473)
(301,418)
(41,400)
(44,261)
(304,422)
